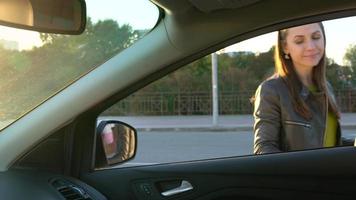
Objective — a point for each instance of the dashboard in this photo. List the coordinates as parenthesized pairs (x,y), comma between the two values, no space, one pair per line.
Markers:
(35,185)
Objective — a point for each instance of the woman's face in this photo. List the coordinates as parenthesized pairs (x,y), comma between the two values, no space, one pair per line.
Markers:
(305,45)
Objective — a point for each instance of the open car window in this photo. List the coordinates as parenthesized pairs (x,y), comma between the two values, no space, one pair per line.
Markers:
(174,115)
(35,66)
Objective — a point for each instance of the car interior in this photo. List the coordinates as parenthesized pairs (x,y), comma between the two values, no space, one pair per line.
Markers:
(54,151)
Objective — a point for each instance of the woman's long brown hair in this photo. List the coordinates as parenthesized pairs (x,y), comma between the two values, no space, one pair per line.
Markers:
(285,69)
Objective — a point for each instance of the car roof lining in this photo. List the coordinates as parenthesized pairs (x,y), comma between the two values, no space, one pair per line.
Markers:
(182,20)
(213,5)
(206,6)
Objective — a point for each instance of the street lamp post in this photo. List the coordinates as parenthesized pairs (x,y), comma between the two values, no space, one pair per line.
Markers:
(214,71)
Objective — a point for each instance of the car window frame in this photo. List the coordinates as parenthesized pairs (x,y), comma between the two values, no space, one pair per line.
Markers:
(172,67)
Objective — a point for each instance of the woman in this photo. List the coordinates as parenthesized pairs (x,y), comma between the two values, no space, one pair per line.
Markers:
(295,109)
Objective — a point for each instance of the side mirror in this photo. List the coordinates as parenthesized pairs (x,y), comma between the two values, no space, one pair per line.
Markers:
(51,16)
(115,143)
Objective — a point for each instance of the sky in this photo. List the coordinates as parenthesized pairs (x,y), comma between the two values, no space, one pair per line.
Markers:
(145,16)
(339,33)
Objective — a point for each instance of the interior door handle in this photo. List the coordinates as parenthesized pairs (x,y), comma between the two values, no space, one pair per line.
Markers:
(184,187)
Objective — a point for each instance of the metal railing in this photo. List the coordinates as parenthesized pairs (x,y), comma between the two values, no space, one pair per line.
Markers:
(346,100)
(200,103)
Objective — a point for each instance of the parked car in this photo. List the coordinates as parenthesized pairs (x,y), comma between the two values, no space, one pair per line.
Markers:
(54,148)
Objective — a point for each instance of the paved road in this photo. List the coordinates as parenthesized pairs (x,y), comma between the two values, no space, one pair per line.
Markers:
(204,123)
(175,146)
(164,139)
(159,147)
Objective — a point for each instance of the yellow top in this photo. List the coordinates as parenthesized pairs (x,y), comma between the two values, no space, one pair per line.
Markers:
(331,125)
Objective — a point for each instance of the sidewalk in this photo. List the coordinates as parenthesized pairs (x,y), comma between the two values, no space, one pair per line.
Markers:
(204,123)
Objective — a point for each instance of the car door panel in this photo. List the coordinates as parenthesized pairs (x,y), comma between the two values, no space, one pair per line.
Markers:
(318,174)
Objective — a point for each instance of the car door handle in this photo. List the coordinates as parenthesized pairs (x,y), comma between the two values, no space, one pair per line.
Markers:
(184,187)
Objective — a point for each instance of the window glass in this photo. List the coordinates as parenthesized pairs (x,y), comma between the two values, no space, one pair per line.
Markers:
(174,115)
(35,66)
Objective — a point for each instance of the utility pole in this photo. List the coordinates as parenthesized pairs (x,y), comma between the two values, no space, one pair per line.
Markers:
(214,75)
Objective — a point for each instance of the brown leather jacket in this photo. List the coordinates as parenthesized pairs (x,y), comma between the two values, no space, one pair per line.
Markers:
(279,128)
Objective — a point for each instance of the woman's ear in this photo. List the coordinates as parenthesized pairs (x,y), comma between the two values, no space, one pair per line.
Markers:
(285,48)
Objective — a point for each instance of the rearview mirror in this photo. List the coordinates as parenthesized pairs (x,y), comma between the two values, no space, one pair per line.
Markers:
(51,16)
(116,143)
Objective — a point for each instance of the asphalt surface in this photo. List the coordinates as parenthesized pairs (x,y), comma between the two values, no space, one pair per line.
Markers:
(166,139)
(156,147)
(165,147)
(204,123)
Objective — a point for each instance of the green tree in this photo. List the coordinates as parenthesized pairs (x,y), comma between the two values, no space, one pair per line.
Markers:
(336,74)
(46,69)
(350,58)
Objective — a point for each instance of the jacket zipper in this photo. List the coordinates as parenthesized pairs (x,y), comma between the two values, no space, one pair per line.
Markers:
(298,123)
